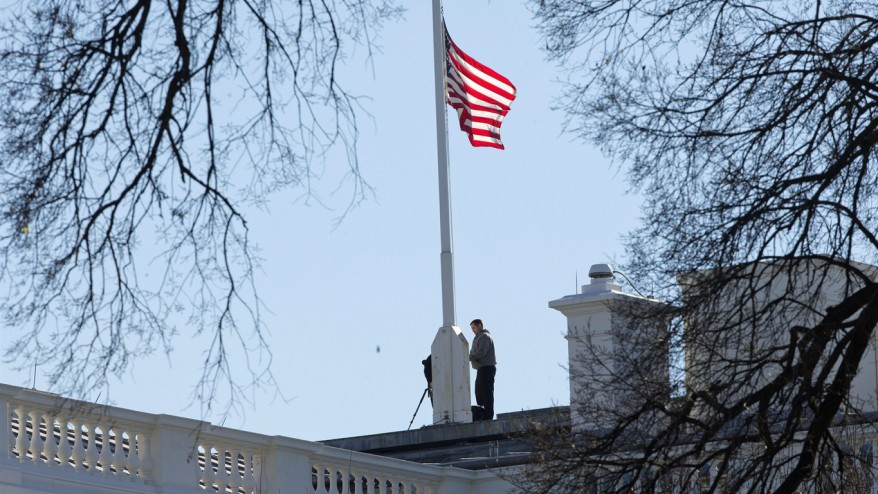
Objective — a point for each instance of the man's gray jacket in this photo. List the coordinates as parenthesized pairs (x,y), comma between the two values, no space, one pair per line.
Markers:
(482,352)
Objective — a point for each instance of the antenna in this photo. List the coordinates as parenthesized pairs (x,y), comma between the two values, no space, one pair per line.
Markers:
(576,280)
(34,385)
(630,283)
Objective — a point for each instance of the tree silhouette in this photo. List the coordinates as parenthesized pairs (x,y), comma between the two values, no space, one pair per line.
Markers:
(133,123)
(748,127)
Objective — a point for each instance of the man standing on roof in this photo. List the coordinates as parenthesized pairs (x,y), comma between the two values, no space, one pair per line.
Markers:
(483,360)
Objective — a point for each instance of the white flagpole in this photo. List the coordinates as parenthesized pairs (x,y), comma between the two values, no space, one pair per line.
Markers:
(450,350)
(446,257)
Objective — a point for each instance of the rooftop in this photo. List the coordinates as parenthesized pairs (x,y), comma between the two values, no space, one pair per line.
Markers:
(474,446)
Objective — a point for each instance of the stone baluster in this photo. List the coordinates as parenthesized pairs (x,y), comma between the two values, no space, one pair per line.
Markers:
(347,477)
(315,478)
(105,456)
(341,475)
(202,459)
(351,478)
(328,482)
(233,467)
(218,468)
(224,457)
(370,482)
(332,475)
(235,472)
(248,480)
(21,442)
(64,448)
(366,479)
(251,467)
(219,476)
(132,459)
(50,447)
(214,464)
(207,474)
(139,456)
(36,442)
(117,464)
(329,478)
(91,449)
(78,454)
(321,478)
(356,481)
(247,462)
(341,481)
(375,483)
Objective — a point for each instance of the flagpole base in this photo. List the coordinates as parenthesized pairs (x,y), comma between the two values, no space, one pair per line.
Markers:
(451,377)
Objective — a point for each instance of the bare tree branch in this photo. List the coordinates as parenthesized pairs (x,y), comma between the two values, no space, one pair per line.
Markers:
(749,128)
(128,124)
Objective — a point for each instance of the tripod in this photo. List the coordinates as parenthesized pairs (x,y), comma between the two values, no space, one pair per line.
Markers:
(419,406)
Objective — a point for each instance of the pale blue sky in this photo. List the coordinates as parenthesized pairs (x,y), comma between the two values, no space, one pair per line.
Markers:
(525,221)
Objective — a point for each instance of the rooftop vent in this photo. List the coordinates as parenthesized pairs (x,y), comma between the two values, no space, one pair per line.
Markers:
(600,271)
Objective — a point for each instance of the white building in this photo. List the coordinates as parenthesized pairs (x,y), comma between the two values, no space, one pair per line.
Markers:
(54,445)
(799,295)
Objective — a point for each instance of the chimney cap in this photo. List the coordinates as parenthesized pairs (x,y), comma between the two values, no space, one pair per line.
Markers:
(600,271)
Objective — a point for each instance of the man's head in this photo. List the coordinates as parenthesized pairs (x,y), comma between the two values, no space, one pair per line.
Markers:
(476,326)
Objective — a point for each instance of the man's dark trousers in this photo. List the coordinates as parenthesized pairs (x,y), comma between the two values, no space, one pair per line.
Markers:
(485,389)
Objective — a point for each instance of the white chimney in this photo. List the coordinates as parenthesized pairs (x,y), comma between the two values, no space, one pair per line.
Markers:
(597,343)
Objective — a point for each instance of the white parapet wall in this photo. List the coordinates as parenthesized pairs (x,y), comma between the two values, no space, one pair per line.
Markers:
(55,445)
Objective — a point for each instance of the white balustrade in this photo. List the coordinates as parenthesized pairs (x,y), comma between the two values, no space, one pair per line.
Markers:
(228,467)
(85,448)
(331,477)
(46,436)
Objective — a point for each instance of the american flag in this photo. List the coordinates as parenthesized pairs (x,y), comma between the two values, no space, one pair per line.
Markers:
(480,95)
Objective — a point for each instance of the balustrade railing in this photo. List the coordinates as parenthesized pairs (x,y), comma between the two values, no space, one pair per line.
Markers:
(330,476)
(66,438)
(228,467)
(81,445)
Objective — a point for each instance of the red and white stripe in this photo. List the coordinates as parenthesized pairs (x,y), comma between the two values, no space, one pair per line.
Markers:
(480,95)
